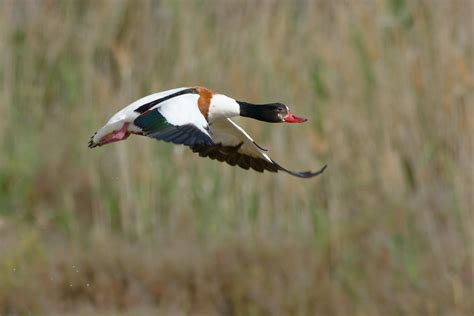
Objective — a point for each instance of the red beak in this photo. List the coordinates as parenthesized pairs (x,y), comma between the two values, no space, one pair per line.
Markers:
(291,118)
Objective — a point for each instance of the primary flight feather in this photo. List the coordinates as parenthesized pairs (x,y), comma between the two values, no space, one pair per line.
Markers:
(200,119)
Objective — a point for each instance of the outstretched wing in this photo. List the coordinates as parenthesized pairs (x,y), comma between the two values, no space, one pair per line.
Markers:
(177,120)
(234,146)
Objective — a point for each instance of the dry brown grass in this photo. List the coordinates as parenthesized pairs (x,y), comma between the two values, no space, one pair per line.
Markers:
(388,87)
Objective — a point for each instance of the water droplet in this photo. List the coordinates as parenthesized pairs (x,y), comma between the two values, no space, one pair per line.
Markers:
(87,284)
(70,285)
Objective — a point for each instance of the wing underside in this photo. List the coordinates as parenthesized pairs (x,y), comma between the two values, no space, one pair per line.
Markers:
(235,147)
(232,156)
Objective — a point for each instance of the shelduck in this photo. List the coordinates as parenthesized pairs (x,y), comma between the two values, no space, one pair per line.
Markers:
(200,119)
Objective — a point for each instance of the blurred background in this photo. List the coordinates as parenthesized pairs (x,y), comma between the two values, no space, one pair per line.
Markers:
(141,227)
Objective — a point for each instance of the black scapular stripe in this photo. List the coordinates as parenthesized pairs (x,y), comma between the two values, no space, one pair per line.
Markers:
(145,107)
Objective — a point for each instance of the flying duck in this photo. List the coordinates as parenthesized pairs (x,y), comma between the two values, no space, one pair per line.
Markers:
(200,119)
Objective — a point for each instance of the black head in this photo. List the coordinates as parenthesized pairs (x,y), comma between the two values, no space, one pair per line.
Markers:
(271,112)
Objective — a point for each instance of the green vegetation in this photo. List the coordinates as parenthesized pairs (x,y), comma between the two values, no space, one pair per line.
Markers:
(140,227)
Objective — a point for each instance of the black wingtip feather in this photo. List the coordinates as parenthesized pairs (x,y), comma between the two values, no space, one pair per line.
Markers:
(302,174)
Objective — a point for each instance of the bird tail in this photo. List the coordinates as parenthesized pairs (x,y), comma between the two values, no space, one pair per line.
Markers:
(92,143)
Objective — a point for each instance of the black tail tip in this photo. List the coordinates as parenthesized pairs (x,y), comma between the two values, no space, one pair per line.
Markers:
(91,144)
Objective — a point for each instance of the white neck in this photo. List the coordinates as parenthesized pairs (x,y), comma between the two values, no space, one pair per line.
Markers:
(222,106)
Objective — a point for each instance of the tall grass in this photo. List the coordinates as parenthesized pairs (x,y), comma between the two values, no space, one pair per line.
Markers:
(141,226)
